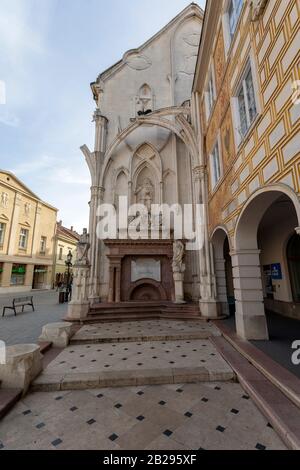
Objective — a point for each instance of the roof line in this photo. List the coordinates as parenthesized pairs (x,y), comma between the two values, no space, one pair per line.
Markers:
(103,74)
(27,188)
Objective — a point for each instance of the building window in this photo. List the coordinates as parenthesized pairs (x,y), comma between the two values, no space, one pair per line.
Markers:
(18,275)
(2,233)
(23,240)
(215,165)
(210,94)
(234,11)
(60,255)
(43,245)
(293,256)
(246,102)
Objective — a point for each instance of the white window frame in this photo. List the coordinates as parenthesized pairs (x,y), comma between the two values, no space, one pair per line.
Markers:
(23,238)
(210,92)
(228,34)
(215,179)
(239,137)
(2,233)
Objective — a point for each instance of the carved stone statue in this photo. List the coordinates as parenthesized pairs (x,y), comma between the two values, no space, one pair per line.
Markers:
(4,200)
(145,193)
(178,256)
(83,247)
(27,208)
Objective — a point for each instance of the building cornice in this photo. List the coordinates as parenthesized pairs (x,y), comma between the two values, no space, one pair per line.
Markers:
(211,19)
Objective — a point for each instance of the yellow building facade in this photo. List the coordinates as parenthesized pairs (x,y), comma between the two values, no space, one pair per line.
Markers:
(66,240)
(246,107)
(27,231)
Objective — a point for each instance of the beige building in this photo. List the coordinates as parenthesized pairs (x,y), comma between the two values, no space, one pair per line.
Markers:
(27,230)
(66,240)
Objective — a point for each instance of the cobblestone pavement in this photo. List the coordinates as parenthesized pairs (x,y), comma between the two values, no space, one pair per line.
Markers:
(26,327)
(164,417)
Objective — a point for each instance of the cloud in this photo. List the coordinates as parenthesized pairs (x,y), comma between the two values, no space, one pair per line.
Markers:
(9,120)
(51,169)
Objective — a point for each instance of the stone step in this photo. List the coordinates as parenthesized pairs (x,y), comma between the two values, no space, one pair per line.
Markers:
(284,380)
(95,380)
(124,317)
(282,413)
(119,363)
(44,346)
(8,398)
(149,310)
(99,339)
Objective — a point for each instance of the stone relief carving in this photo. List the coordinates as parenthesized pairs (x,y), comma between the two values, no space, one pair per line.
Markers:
(178,256)
(192,39)
(145,193)
(137,61)
(83,247)
(144,100)
(189,65)
(4,200)
(27,208)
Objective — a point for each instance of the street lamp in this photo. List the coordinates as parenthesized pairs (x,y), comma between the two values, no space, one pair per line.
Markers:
(69,265)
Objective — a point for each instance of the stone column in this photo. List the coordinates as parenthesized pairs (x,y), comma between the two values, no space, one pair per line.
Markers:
(118,284)
(178,285)
(251,321)
(208,300)
(94,281)
(6,274)
(36,234)
(14,232)
(29,275)
(111,290)
(95,162)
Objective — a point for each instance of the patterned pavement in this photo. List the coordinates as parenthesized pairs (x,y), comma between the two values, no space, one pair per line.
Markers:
(168,417)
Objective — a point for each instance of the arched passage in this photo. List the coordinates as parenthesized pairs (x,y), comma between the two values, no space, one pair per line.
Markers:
(260,271)
(223,271)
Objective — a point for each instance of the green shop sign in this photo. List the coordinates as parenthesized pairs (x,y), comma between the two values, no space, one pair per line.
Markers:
(18,270)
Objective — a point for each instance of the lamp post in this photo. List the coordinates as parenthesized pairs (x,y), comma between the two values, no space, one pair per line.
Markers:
(69,265)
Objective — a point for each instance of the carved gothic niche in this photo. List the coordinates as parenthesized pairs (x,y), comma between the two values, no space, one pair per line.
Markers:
(136,60)
(258,7)
(144,101)
(146,176)
(119,185)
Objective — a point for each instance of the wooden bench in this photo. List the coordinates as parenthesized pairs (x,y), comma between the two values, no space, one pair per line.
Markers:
(19,302)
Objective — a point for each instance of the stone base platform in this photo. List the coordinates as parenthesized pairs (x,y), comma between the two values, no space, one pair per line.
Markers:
(135,311)
(153,330)
(122,354)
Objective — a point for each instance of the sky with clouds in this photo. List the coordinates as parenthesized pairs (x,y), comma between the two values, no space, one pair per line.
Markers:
(50,51)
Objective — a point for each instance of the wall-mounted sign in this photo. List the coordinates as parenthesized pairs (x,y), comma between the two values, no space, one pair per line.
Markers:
(276,271)
(268,280)
(145,268)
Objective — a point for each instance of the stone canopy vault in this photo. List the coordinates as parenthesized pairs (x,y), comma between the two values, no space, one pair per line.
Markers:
(175,119)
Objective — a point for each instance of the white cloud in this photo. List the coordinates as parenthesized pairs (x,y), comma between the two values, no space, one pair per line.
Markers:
(9,120)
